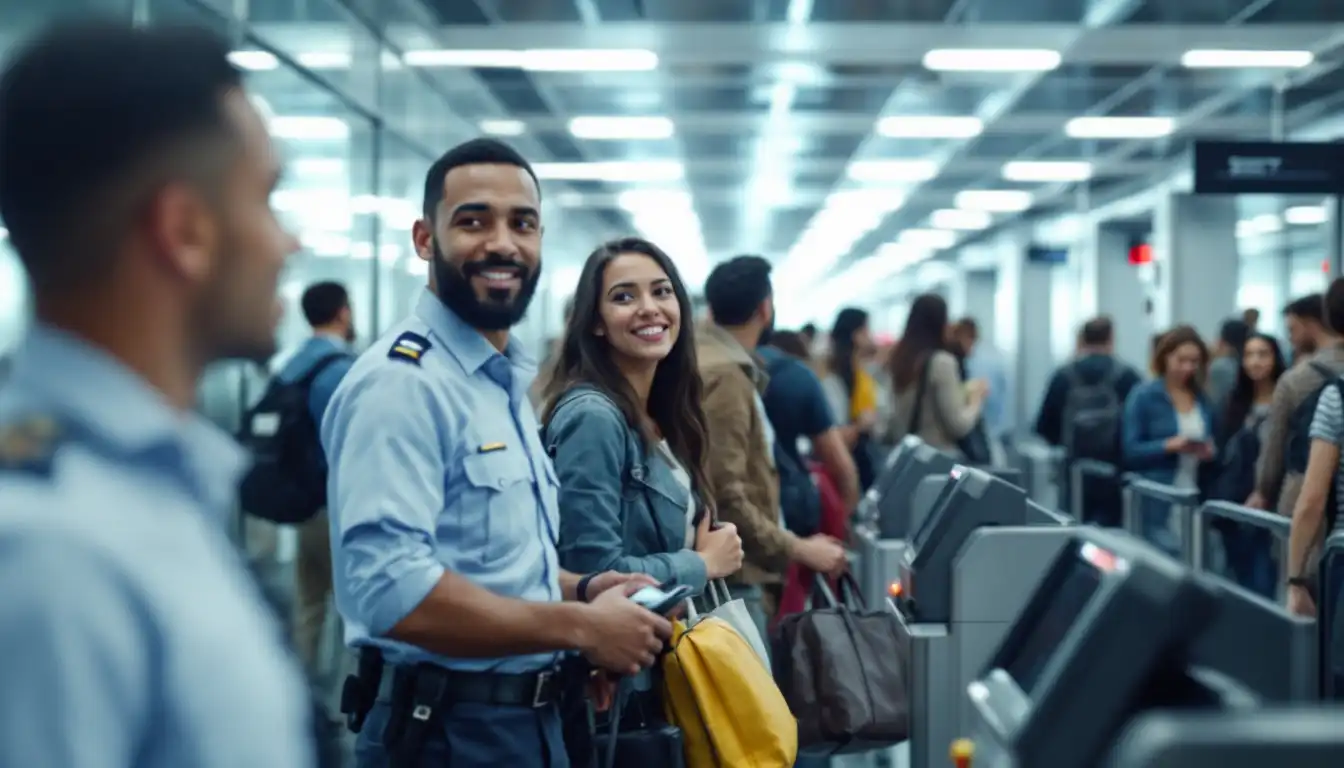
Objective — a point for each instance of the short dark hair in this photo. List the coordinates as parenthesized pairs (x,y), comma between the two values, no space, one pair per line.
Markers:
(1334,306)
(475,152)
(809,330)
(323,302)
(86,110)
(1234,333)
(736,287)
(1097,332)
(968,326)
(1310,307)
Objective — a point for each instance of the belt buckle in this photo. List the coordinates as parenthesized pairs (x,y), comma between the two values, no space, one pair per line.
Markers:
(539,690)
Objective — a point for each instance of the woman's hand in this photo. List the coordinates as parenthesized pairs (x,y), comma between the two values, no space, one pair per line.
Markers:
(720,547)
(1177,444)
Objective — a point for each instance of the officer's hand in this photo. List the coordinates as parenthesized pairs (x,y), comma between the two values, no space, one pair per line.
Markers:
(620,635)
(609,579)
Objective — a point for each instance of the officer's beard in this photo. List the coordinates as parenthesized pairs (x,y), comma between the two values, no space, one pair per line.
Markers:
(767,332)
(497,312)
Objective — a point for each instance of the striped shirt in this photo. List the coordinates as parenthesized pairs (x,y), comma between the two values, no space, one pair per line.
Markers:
(1328,425)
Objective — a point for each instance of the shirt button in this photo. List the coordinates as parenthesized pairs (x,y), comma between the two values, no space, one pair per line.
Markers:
(637,473)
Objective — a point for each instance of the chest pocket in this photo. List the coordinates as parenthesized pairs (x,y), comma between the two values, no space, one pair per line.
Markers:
(500,495)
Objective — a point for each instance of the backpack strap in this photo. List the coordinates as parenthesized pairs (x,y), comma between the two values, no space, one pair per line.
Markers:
(318,367)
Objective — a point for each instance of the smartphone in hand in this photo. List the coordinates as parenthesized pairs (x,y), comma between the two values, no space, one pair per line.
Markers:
(662,599)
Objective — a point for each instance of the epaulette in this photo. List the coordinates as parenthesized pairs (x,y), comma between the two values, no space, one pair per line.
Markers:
(28,444)
(409,347)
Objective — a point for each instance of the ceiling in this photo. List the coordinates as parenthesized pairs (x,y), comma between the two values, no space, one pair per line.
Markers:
(815,132)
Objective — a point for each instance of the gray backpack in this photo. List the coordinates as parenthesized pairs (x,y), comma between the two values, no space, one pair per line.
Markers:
(1092,413)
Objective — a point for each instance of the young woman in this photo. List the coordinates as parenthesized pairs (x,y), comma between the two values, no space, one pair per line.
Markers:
(931,399)
(625,429)
(1169,427)
(852,391)
(1249,552)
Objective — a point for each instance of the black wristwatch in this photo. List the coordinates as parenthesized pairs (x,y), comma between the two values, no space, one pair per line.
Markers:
(1299,581)
(581,589)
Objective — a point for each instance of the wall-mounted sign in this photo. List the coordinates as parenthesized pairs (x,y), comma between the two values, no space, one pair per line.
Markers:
(1268,168)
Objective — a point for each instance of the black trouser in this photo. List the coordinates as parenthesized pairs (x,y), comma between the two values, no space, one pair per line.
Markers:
(473,736)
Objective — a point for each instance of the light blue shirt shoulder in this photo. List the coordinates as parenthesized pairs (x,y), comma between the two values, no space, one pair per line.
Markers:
(435,463)
(131,623)
(311,353)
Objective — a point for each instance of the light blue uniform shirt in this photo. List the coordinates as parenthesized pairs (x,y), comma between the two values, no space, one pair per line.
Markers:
(987,364)
(131,633)
(435,462)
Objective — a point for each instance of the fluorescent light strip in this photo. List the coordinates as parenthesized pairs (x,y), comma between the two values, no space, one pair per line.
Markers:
(621,128)
(957,219)
(994,201)
(1047,171)
(1305,215)
(992,60)
(663,200)
(538,60)
(310,128)
(929,127)
(1233,59)
(927,238)
(1119,127)
(503,127)
(892,170)
(619,171)
(254,61)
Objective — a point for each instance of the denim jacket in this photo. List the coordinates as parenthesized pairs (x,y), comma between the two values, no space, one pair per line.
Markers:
(621,506)
(1150,419)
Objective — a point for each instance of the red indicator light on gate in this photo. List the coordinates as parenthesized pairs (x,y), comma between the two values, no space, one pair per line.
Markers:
(1140,254)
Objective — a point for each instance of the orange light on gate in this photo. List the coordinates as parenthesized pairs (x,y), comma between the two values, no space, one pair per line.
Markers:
(895,589)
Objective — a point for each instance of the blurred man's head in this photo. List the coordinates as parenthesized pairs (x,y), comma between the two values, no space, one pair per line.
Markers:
(1251,318)
(966,334)
(1097,336)
(740,297)
(135,181)
(1305,320)
(326,307)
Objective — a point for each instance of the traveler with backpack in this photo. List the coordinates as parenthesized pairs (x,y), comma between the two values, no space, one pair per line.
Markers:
(1082,413)
(1245,416)
(1317,506)
(292,455)
(1318,358)
(1168,429)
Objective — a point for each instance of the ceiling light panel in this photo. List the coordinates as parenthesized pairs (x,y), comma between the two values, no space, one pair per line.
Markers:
(1232,59)
(621,128)
(665,200)
(927,238)
(929,127)
(309,128)
(892,170)
(1047,171)
(1305,215)
(957,219)
(503,127)
(1120,127)
(992,60)
(616,171)
(254,61)
(994,200)
(538,60)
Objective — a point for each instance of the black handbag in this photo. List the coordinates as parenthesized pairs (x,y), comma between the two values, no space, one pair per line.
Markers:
(637,735)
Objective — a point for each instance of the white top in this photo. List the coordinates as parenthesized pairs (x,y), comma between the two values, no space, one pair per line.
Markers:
(684,478)
(1191,425)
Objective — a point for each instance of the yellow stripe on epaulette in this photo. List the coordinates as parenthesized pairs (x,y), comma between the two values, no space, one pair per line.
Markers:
(409,347)
(29,443)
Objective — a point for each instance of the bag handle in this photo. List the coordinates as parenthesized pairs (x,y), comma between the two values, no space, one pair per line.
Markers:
(614,727)
(715,595)
(850,596)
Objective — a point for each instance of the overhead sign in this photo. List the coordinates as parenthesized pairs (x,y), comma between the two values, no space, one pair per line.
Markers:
(1268,168)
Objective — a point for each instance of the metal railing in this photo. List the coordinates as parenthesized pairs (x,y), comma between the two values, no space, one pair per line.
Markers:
(1080,471)
(1329,599)
(1179,501)
(1041,467)
(1196,547)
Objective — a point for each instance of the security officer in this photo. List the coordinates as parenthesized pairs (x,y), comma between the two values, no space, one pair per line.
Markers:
(443,503)
(134,181)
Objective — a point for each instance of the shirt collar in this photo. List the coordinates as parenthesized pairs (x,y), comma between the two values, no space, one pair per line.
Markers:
(464,343)
(122,410)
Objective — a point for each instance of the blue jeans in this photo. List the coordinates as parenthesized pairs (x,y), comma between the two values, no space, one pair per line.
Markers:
(1250,560)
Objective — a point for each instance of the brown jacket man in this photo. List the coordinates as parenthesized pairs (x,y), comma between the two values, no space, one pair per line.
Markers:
(741,459)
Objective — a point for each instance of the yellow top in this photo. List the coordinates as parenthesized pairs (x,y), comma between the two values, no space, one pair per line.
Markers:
(864,396)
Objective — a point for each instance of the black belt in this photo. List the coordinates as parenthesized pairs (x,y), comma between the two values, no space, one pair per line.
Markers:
(527,689)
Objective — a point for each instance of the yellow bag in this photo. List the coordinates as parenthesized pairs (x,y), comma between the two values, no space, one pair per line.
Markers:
(717,691)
